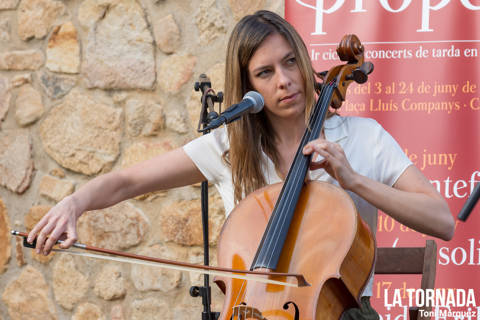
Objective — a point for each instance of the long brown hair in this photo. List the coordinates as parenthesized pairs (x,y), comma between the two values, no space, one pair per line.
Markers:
(253,133)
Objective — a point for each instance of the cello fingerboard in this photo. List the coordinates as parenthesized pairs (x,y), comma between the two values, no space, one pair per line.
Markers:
(273,240)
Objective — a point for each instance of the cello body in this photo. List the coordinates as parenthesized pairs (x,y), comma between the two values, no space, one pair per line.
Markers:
(327,242)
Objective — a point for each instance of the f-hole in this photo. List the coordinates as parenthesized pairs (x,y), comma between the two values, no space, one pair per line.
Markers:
(297,312)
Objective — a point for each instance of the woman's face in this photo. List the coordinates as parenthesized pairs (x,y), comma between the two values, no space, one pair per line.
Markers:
(274,73)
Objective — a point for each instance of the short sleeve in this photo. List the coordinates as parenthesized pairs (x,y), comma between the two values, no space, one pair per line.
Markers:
(207,151)
(390,160)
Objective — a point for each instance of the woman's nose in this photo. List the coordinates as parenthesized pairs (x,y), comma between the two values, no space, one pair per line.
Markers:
(283,79)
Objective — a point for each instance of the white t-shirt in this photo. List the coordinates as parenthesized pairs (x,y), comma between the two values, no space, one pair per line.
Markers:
(370,150)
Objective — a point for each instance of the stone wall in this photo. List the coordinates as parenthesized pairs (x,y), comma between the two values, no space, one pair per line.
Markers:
(91,86)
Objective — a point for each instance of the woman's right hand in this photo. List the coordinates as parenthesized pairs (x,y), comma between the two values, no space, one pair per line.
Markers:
(59,223)
(169,170)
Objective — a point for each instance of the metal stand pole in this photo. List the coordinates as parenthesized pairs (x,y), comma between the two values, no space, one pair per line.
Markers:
(208,99)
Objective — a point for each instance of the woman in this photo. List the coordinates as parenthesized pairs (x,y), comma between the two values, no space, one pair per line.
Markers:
(267,55)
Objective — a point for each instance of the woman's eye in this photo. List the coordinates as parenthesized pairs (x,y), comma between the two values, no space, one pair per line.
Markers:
(263,73)
(292,60)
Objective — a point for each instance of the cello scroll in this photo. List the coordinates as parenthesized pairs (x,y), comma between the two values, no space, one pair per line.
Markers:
(351,50)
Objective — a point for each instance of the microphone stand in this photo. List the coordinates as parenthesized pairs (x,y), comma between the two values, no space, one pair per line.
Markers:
(469,204)
(206,116)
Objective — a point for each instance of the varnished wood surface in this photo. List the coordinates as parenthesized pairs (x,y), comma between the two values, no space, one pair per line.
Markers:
(326,240)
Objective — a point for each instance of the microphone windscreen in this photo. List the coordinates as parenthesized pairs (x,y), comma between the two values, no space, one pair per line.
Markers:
(257,100)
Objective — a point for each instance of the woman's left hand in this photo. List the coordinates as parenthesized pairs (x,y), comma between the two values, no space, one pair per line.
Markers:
(412,201)
(334,161)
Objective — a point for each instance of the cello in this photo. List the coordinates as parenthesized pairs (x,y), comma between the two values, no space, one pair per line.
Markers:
(303,227)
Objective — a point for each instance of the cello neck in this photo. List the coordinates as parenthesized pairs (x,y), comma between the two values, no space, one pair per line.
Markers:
(270,248)
(333,93)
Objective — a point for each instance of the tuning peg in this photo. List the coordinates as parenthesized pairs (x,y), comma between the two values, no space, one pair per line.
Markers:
(360,75)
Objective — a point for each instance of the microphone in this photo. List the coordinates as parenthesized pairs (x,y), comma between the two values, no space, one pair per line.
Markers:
(252,103)
(469,204)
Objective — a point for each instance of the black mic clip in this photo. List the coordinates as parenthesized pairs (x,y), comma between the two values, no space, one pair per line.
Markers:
(209,97)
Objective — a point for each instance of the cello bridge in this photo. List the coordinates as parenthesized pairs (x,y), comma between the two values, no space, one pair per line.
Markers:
(244,312)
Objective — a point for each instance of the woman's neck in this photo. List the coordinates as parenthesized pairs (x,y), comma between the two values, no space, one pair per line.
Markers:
(288,132)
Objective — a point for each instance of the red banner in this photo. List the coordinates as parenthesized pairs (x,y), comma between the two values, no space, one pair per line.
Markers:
(425,92)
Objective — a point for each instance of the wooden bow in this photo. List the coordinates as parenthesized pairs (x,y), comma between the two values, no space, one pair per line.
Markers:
(175,265)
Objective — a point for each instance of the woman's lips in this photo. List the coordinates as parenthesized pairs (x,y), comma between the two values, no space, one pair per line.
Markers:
(289,98)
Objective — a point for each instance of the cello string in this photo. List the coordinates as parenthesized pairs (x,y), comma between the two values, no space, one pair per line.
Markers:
(288,197)
(297,170)
(240,294)
(294,174)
